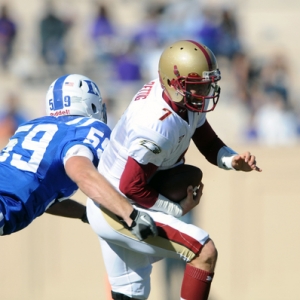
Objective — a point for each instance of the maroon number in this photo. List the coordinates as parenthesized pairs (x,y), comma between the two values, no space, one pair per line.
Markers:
(168,112)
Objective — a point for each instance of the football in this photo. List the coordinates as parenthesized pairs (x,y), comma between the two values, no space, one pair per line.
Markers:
(172,183)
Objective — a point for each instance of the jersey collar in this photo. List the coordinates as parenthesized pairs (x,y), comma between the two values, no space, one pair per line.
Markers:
(182,112)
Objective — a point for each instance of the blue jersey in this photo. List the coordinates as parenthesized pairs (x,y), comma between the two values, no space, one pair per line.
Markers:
(32,174)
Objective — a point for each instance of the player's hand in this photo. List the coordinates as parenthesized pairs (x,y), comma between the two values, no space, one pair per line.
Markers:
(193,198)
(245,162)
(142,225)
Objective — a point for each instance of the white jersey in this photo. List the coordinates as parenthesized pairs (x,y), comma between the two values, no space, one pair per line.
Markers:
(143,132)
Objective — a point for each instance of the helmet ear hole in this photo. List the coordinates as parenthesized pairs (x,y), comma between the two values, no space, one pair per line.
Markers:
(94,108)
(169,82)
(80,83)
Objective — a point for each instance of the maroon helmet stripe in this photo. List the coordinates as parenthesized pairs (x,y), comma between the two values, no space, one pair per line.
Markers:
(207,56)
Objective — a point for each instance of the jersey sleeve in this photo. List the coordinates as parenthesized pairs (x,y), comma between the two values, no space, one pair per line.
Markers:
(207,142)
(147,150)
(133,183)
(147,146)
(88,140)
(78,150)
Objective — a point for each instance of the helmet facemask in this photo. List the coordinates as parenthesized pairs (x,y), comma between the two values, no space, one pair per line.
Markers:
(200,93)
(103,113)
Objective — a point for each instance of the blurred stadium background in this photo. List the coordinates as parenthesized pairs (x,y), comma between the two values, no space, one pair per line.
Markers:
(253,218)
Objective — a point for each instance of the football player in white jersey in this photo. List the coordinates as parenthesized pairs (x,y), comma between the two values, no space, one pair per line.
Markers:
(49,158)
(154,134)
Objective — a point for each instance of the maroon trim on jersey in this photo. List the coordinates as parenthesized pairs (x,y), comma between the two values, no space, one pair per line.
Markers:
(133,183)
(178,237)
(181,111)
(207,142)
(207,56)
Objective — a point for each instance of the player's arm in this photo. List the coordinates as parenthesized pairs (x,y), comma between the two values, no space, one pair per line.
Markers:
(70,209)
(207,142)
(217,153)
(134,184)
(83,172)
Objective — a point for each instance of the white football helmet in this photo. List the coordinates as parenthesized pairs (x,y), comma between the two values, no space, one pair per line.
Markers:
(76,95)
(189,74)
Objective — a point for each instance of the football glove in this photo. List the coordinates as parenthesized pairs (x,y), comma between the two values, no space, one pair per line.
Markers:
(142,225)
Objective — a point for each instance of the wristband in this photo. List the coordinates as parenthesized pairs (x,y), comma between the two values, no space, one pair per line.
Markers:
(225,156)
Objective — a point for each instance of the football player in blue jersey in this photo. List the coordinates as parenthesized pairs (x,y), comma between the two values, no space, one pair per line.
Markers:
(49,158)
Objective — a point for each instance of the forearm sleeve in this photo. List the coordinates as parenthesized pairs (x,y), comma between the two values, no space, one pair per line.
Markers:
(167,206)
(207,142)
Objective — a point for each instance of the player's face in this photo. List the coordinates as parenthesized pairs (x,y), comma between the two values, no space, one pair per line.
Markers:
(195,92)
(198,90)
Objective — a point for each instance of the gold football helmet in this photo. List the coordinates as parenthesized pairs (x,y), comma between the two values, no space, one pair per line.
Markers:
(189,74)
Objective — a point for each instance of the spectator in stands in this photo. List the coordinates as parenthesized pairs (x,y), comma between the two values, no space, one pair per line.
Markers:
(229,43)
(104,35)
(127,64)
(209,31)
(275,76)
(8,31)
(275,124)
(10,118)
(53,31)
